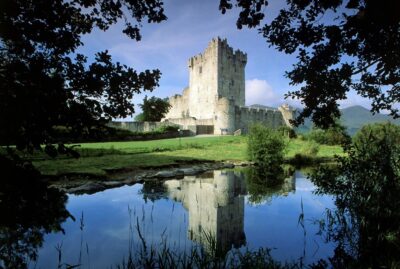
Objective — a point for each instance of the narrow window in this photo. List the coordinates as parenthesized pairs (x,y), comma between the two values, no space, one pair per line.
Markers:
(200,70)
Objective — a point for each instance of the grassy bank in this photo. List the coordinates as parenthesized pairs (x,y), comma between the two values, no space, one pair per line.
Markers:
(98,158)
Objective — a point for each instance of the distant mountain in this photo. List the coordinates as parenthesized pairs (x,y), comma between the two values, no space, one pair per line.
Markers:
(354,118)
(262,106)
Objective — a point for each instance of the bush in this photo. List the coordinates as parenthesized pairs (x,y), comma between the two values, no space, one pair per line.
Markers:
(335,135)
(310,148)
(167,128)
(105,133)
(286,131)
(265,146)
(139,117)
(366,184)
(375,136)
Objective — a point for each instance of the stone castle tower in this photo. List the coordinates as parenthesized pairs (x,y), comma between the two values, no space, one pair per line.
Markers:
(215,74)
(214,102)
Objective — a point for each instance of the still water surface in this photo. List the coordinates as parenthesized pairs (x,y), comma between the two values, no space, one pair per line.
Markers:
(185,213)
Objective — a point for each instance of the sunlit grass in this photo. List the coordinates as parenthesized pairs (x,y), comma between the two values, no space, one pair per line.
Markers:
(97,158)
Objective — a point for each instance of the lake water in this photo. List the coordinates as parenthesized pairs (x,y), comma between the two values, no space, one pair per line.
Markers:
(184,213)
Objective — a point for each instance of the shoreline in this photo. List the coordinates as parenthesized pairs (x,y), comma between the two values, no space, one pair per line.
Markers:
(86,183)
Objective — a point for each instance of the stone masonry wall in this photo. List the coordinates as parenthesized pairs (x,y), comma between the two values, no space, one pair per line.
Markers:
(203,82)
(136,126)
(216,94)
(179,105)
(245,116)
(231,74)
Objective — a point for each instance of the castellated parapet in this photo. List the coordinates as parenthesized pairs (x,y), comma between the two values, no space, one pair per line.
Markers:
(216,94)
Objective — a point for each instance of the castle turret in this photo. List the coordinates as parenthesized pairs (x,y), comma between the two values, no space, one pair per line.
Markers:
(224,121)
(231,75)
(203,84)
(288,113)
(216,73)
(215,98)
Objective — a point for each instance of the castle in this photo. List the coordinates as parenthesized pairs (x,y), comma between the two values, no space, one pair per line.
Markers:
(214,102)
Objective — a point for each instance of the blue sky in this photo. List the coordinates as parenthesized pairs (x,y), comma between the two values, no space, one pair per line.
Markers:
(190,26)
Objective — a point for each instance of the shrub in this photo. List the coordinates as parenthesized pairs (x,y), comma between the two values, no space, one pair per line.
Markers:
(310,148)
(335,135)
(375,136)
(265,146)
(302,137)
(139,117)
(167,128)
(286,131)
(366,184)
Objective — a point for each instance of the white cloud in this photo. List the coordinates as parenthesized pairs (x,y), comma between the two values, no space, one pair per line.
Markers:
(260,92)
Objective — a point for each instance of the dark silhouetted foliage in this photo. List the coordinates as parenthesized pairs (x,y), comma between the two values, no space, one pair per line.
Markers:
(340,46)
(44,82)
(366,185)
(29,209)
(266,182)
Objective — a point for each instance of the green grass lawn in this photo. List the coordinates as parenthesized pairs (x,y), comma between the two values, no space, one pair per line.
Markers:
(97,158)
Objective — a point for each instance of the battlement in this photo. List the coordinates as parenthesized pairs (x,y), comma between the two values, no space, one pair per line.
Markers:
(216,93)
(228,52)
(257,109)
(210,52)
(245,116)
(218,47)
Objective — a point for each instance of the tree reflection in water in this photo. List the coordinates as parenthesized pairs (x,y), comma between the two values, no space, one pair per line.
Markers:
(263,183)
(29,210)
(366,185)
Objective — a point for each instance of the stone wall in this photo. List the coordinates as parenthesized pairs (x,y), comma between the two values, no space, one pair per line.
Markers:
(287,113)
(184,122)
(216,94)
(179,105)
(136,126)
(245,116)
(203,82)
(225,117)
(231,75)
(216,73)
(191,123)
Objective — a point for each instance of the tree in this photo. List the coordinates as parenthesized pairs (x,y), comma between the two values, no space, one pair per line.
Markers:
(340,45)
(29,210)
(139,117)
(265,147)
(45,83)
(365,185)
(154,109)
(336,134)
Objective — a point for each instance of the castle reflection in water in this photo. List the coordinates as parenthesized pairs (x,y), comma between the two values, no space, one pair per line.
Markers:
(215,202)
